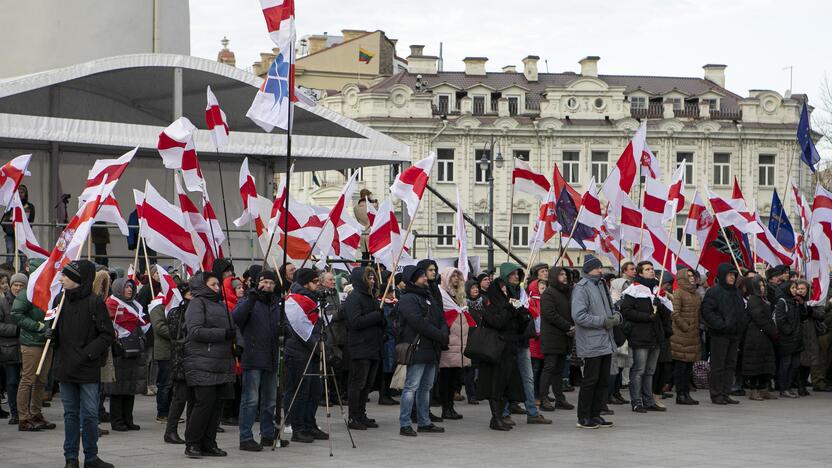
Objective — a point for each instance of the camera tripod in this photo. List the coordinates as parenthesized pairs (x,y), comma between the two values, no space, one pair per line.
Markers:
(323,373)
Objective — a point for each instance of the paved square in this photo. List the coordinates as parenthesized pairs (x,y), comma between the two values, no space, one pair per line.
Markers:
(781,433)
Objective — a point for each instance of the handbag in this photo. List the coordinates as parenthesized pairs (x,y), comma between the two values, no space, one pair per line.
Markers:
(484,345)
(131,346)
(399,377)
(405,351)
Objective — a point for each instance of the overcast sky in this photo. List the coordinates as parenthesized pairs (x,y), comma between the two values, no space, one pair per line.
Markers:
(757,39)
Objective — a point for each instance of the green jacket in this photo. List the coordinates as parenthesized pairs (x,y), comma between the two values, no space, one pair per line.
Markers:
(30,321)
(161,334)
(505,270)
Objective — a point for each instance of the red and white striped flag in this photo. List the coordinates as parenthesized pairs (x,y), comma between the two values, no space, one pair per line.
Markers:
(26,240)
(10,176)
(590,212)
(528,181)
(216,121)
(461,238)
(213,223)
(676,192)
(168,295)
(43,282)
(302,313)
(131,271)
(248,194)
(385,238)
(110,212)
(802,209)
(126,317)
(822,206)
(176,146)
(165,229)
(410,184)
(768,249)
(733,212)
(196,224)
(655,203)
(607,246)
(342,233)
(109,169)
(622,177)
(699,220)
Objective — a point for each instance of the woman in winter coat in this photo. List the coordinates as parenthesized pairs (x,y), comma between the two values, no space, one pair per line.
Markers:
(10,357)
(536,288)
(208,364)
(787,318)
(499,382)
(557,331)
(758,359)
(452,361)
(684,344)
(811,349)
(130,376)
(474,302)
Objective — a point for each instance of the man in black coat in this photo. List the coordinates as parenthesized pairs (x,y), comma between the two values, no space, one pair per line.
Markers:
(557,331)
(258,317)
(365,335)
(426,331)
(82,339)
(721,311)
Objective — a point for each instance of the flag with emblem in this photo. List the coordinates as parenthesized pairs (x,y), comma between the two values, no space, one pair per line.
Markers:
(271,104)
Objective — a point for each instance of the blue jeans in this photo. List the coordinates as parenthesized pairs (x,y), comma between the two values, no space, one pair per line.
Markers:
(302,414)
(524,365)
(417,386)
(80,419)
(12,382)
(259,391)
(641,375)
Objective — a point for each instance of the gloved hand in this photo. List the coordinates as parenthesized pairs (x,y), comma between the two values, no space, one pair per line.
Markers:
(612,321)
(49,333)
(230,334)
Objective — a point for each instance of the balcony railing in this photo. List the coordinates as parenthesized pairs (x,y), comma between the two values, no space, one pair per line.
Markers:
(652,111)
(732,113)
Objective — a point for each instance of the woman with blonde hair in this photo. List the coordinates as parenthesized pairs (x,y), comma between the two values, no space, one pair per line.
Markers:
(459,320)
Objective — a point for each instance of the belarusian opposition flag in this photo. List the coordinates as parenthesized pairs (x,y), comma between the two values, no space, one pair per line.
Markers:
(248,194)
(196,225)
(528,181)
(168,295)
(699,219)
(165,229)
(385,238)
(733,212)
(110,212)
(126,316)
(176,146)
(590,214)
(410,184)
(342,233)
(216,121)
(26,240)
(302,313)
(111,169)
(461,238)
(655,203)
(623,175)
(10,176)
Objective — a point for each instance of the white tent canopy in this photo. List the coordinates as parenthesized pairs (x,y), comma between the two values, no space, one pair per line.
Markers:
(69,117)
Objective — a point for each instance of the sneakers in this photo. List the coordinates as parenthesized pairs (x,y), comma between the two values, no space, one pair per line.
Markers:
(162,419)
(539,419)
(407,431)
(587,424)
(250,446)
(602,423)
(656,408)
(432,428)
(754,395)
(97,463)
(788,394)
(40,423)
(27,426)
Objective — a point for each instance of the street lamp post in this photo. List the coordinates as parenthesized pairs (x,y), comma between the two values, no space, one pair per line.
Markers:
(487,165)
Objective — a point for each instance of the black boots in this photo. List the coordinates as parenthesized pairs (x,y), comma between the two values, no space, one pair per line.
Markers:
(448,412)
(684,398)
(497,423)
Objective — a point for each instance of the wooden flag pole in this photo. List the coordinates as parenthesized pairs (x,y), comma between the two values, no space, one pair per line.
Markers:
(16,245)
(684,233)
(49,341)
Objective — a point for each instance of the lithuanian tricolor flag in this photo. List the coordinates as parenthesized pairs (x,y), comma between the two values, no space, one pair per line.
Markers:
(365,55)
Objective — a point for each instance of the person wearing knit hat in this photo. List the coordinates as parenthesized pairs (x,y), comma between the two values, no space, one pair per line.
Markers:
(594,341)
(18,282)
(84,326)
(304,276)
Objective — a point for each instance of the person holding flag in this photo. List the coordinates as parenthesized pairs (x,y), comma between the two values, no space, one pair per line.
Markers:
(721,309)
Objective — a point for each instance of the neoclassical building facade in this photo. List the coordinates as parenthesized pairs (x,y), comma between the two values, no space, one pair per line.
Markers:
(580,121)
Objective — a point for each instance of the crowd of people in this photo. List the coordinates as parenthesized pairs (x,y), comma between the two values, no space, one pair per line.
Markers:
(228,354)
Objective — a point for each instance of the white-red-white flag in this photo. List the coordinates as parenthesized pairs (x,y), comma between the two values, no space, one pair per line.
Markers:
(197,226)
(110,212)
(802,210)
(819,243)
(699,220)
(11,174)
(768,249)
(248,195)
(213,223)
(410,184)
(165,229)
(676,191)
(127,316)
(176,146)
(216,121)
(528,181)
(733,212)
(590,212)
(654,203)
(649,164)
(168,295)
(622,177)
(26,240)
(109,169)
(342,233)
(822,206)
(461,238)
(302,314)
(43,282)
(385,238)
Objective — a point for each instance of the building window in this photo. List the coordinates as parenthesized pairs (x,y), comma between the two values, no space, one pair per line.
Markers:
(571,166)
(481,176)
(711,103)
(638,102)
(680,225)
(520,230)
(522,155)
(677,103)
(600,163)
(722,168)
(479,105)
(445,228)
(686,156)
(350,170)
(513,105)
(445,165)
(395,169)
(482,221)
(444,104)
(766,168)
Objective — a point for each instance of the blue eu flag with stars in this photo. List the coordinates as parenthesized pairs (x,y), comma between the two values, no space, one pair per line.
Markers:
(778,223)
(808,153)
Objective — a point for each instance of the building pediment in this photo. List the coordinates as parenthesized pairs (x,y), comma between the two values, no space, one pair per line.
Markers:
(444,84)
(671,125)
(627,123)
(588,84)
(550,123)
(467,122)
(708,126)
(480,87)
(514,87)
(506,123)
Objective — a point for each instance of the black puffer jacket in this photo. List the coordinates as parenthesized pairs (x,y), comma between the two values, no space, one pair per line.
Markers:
(209,359)
(418,317)
(643,328)
(258,318)
(178,337)
(758,350)
(296,347)
(433,286)
(365,319)
(84,335)
(556,317)
(787,319)
(722,307)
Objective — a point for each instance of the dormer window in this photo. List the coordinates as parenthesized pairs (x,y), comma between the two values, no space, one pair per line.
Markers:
(677,103)
(479,105)
(513,105)
(638,102)
(712,103)
(444,103)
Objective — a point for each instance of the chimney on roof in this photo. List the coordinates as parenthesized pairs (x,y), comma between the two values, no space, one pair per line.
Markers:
(317,43)
(509,69)
(225,55)
(715,73)
(421,64)
(350,34)
(530,67)
(417,50)
(589,66)
(475,65)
